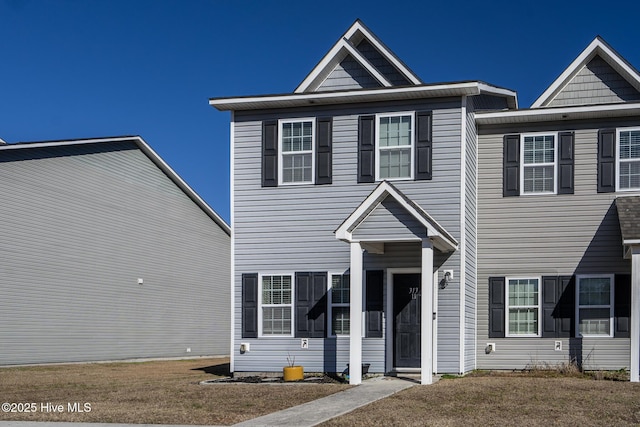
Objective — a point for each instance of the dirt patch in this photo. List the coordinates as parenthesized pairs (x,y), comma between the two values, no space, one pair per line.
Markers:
(319,379)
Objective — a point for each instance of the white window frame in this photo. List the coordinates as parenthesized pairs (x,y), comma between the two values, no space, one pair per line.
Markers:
(555,163)
(412,165)
(281,154)
(618,160)
(331,305)
(537,306)
(261,305)
(612,285)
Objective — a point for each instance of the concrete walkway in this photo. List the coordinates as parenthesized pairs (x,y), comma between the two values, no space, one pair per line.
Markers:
(305,415)
(321,410)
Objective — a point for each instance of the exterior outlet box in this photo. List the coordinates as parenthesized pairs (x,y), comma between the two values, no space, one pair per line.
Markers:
(490,348)
(188,349)
(557,346)
(140,281)
(444,273)
(245,347)
(304,343)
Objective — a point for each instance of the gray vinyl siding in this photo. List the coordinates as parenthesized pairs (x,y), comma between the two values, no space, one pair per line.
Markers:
(389,220)
(79,226)
(546,235)
(348,74)
(596,83)
(471,163)
(381,63)
(291,228)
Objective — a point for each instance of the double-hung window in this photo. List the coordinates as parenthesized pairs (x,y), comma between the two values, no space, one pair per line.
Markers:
(538,164)
(523,307)
(628,159)
(594,308)
(395,146)
(276,304)
(339,304)
(297,151)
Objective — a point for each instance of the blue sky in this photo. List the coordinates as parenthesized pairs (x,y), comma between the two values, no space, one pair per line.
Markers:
(88,68)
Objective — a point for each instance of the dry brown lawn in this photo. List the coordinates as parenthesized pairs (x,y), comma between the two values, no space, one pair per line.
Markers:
(505,399)
(168,392)
(162,392)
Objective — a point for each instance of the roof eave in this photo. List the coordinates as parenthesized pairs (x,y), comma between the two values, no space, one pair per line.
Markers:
(361,95)
(558,114)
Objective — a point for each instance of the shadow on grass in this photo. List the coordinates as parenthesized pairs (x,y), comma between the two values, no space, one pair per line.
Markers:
(223,369)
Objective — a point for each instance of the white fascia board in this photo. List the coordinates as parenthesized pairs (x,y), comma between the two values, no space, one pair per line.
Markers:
(388,55)
(631,242)
(596,47)
(557,113)
(359,95)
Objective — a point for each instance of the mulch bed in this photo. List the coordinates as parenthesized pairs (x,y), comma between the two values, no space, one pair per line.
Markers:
(315,379)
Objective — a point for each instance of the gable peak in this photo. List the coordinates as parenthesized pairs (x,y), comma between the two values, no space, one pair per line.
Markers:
(360,44)
(597,48)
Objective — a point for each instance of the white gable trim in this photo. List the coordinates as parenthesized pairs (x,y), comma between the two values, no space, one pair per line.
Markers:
(346,45)
(598,47)
(435,232)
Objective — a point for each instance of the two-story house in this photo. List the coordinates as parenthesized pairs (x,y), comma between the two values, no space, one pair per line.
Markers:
(354,217)
(558,222)
(434,227)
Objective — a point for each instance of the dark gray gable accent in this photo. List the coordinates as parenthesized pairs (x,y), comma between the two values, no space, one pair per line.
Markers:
(250,305)
(606,160)
(511,166)
(424,145)
(324,129)
(558,308)
(622,306)
(270,153)
(565,162)
(311,305)
(374,305)
(366,148)
(496,307)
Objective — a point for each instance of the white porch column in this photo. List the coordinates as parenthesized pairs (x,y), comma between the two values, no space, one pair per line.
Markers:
(355,315)
(635,314)
(426,315)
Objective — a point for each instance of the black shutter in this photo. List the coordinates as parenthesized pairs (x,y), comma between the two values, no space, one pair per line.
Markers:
(366,149)
(565,162)
(323,150)
(250,305)
(622,306)
(558,310)
(424,146)
(270,153)
(606,160)
(311,305)
(549,301)
(566,307)
(511,166)
(374,304)
(496,307)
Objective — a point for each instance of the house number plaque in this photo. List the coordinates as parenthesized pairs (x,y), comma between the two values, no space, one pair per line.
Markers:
(414,292)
